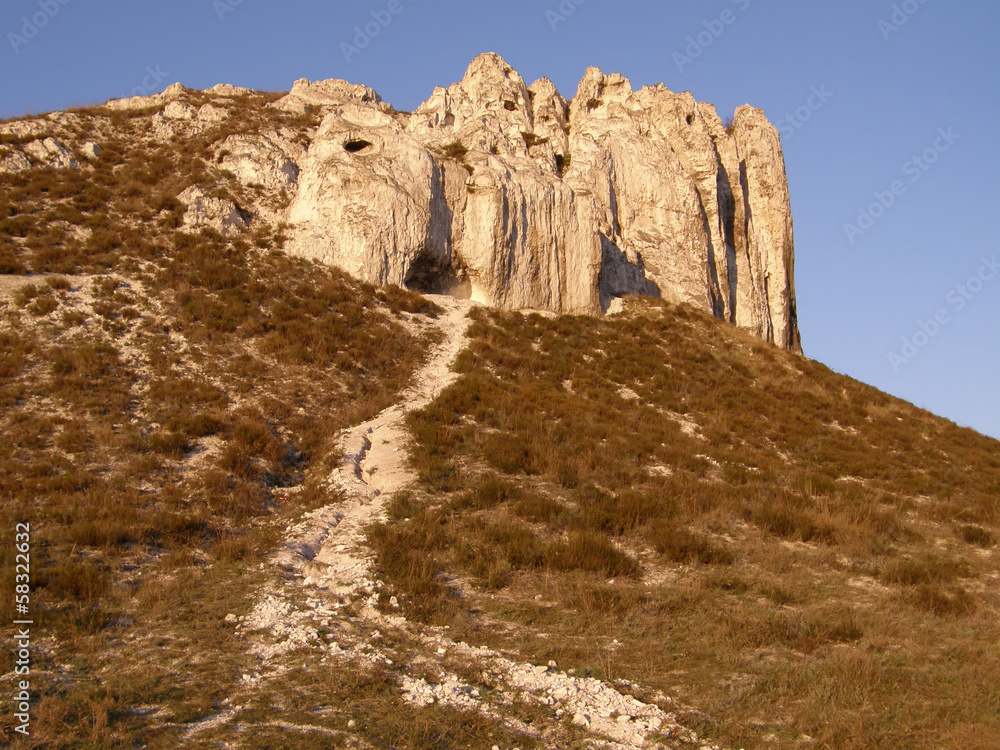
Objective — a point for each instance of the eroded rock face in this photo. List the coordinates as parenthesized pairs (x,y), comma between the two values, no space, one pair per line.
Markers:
(307,96)
(169,94)
(15,161)
(370,199)
(51,153)
(219,214)
(520,199)
(257,160)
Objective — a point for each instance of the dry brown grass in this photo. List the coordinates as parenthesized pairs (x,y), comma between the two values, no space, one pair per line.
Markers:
(806,563)
(146,432)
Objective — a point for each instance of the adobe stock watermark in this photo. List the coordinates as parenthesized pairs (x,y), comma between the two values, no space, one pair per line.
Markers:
(914,168)
(363,35)
(150,83)
(562,12)
(714,28)
(30,26)
(900,16)
(957,298)
(222,7)
(791,123)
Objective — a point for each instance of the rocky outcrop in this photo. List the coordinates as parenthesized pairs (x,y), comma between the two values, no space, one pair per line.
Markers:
(370,199)
(257,160)
(511,195)
(51,153)
(307,96)
(169,94)
(15,161)
(205,211)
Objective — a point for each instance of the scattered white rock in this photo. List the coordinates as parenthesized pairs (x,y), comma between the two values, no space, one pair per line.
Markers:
(91,150)
(222,215)
(257,160)
(15,161)
(51,153)
(212,113)
(179,111)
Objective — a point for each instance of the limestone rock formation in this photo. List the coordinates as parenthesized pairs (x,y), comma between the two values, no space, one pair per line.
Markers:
(179,111)
(511,195)
(219,214)
(50,153)
(169,94)
(307,95)
(15,161)
(370,198)
(257,160)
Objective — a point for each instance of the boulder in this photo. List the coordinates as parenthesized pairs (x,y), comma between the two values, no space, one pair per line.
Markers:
(211,113)
(203,210)
(172,92)
(307,95)
(179,111)
(15,161)
(226,89)
(51,153)
(257,160)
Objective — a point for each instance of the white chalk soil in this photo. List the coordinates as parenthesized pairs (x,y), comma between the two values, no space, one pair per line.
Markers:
(331,588)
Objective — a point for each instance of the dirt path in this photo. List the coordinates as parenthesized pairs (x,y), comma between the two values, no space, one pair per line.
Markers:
(327,556)
(375,466)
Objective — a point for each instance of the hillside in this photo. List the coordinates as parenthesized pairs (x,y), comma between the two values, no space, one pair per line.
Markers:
(276,506)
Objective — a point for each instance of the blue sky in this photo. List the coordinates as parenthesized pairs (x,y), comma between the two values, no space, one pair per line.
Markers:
(901,145)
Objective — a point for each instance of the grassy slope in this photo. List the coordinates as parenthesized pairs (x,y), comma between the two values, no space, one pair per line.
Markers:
(661,498)
(812,559)
(169,404)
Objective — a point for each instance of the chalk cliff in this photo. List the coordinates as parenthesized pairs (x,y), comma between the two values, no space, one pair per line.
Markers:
(511,195)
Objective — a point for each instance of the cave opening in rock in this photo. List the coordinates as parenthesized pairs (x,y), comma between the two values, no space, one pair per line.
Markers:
(428,276)
(356,146)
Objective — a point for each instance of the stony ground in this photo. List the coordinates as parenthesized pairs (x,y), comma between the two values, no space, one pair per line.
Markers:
(329,587)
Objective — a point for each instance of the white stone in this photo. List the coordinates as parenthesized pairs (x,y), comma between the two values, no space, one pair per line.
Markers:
(212,113)
(226,89)
(219,214)
(173,91)
(513,197)
(179,111)
(308,95)
(15,161)
(50,153)
(257,160)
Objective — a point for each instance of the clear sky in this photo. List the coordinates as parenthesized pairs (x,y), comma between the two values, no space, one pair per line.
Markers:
(892,103)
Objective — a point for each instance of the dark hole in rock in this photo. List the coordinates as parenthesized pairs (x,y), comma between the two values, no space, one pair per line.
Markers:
(353,147)
(562,163)
(690,119)
(428,276)
(510,106)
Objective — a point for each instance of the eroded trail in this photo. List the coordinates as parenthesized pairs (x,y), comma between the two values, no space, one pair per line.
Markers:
(330,545)
(331,568)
